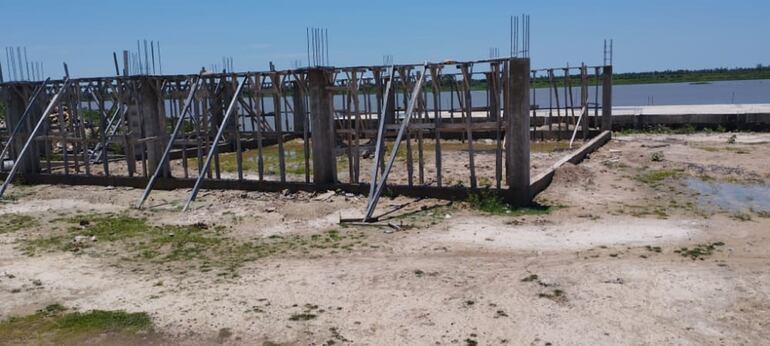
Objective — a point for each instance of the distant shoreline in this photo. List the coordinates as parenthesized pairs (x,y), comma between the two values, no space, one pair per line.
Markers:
(657,77)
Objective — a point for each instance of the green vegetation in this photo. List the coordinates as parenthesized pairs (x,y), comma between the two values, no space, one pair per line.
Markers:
(311,312)
(54,325)
(646,210)
(556,295)
(294,158)
(665,130)
(669,76)
(699,251)
(654,248)
(91,116)
(655,177)
(302,317)
(16,222)
(199,245)
(692,76)
(490,202)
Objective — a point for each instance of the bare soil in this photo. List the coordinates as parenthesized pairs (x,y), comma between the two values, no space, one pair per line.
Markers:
(626,254)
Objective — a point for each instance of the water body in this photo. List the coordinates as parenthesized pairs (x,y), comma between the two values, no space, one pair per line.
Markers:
(669,94)
(722,92)
(732,197)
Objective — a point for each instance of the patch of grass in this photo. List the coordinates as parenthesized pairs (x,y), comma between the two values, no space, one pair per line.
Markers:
(54,325)
(294,159)
(655,177)
(660,130)
(36,246)
(309,313)
(490,202)
(198,245)
(16,222)
(649,210)
(556,295)
(741,216)
(654,248)
(108,227)
(530,278)
(699,251)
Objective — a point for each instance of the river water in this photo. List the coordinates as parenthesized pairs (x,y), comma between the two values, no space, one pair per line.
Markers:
(722,92)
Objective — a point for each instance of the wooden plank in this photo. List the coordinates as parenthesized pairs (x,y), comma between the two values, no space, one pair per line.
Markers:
(469,119)
(237,134)
(435,80)
(494,105)
(277,95)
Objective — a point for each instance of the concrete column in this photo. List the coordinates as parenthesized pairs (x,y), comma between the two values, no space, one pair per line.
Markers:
(153,123)
(16,96)
(322,127)
(607,99)
(298,96)
(390,115)
(517,134)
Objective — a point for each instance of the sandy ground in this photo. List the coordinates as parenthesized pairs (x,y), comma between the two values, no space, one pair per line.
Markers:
(452,275)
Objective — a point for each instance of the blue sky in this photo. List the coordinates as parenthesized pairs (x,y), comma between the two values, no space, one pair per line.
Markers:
(648,34)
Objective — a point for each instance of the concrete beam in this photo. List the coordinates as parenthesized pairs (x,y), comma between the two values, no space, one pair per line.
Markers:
(543,180)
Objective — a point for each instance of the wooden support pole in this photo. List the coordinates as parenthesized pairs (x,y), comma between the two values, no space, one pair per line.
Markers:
(322,128)
(607,99)
(584,100)
(517,134)
(298,98)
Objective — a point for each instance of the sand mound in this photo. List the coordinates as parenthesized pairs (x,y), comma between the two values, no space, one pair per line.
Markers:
(569,176)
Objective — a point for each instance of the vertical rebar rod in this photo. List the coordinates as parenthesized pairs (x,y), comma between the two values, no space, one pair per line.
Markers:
(137,64)
(160,61)
(21,63)
(327,48)
(146,59)
(152,53)
(26,62)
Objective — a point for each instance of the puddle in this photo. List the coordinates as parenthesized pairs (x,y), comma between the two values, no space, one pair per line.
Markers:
(732,197)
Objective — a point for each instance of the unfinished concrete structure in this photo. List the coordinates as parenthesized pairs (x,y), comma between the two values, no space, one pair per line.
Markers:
(113,130)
